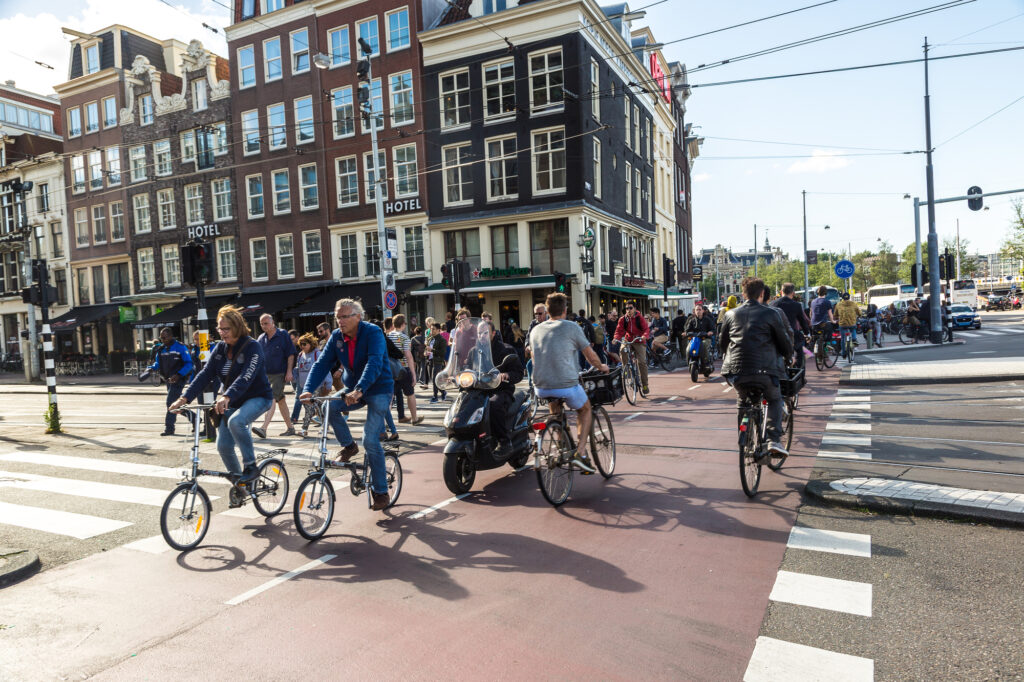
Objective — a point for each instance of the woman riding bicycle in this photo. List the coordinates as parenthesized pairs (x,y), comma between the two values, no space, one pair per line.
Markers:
(237,360)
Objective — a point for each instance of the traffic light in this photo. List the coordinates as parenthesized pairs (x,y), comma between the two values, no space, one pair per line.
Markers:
(668,267)
(913,276)
(944,266)
(975,204)
(197,267)
(561,286)
(459,275)
(446,278)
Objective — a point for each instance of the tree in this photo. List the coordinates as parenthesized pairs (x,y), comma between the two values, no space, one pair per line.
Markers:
(885,267)
(910,258)
(968,264)
(862,276)
(707,287)
(1013,245)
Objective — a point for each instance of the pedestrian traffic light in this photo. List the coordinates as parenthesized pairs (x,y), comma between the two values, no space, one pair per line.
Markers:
(944,266)
(561,285)
(446,278)
(459,275)
(975,204)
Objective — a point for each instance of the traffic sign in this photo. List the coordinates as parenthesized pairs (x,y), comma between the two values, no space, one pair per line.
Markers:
(812,257)
(844,269)
(390,300)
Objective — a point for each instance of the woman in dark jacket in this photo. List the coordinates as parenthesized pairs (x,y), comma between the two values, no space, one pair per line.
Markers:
(237,360)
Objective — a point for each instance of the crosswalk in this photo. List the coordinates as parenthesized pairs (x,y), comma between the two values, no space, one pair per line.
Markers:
(848,431)
(1004,330)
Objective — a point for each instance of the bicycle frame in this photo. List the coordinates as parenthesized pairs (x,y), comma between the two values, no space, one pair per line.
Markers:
(360,472)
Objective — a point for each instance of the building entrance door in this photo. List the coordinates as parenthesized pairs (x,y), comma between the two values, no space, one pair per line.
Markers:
(508,312)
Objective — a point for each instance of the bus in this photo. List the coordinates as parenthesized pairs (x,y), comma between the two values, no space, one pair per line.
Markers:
(832,295)
(884,294)
(965,292)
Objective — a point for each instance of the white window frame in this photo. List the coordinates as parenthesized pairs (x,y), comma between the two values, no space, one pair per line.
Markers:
(147,268)
(194,204)
(167,165)
(116,219)
(457,93)
(187,140)
(222,271)
(102,219)
(403,166)
(341,58)
(78,168)
(113,156)
(220,139)
(298,53)
(165,200)
(74,113)
(300,123)
(200,95)
(286,193)
(266,61)
(629,188)
(376,105)
(283,127)
(348,244)
(95,163)
(595,90)
(408,29)
(343,93)
(505,195)
(303,187)
(253,259)
(394,93)
(406,249)
(83,237)
(94,106)
(146,113)
(306,253)
(596,165)
(171,265)
(133,157)
(368,177)
(88,53)
(498,83)
(638,207)
(545,73)
(242,68)
(460,168)
(278,240)
(220,188)
(535,155)
(338,176)
(248,129)
(249,197)
(359,24)
(628,130)
(103,108)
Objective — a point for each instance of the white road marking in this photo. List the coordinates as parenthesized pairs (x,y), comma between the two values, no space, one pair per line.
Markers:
(153,545)
(840,426)
(834,541)
(279,579)
(727,389)
(844,596)
(101,491)
(423,512)
(852,391)
(851,415)
(671,398)
(833,454)
(852,407)
(775,660)
(988,332)
(852,398)
(979,352)
(632,416)
(80,526)
(104,465)
(694,388)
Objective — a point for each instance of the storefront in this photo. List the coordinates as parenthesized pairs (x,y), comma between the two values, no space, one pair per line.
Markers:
(509,299)
(644,298)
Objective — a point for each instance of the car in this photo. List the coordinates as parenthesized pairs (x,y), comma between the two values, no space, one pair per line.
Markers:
(996,303)
(964,317)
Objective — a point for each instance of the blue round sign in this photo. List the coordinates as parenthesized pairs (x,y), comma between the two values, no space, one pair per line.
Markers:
(390,300)
(844,269)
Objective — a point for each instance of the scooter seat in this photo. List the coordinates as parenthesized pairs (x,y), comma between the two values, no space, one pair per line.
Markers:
(517,401)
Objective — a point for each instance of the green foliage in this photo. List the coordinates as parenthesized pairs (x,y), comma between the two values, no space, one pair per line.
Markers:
(52,419)
(909,258)
(968,265)
(1013,245)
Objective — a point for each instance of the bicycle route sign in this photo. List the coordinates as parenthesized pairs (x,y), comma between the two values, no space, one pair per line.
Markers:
(844,269)
(390,300)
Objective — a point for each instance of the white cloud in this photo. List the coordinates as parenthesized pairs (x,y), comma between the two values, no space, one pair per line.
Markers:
(701,177)
(821,160)
(39,36)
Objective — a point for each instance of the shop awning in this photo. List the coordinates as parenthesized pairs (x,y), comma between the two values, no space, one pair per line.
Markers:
(322,304)
(273,302)
(182,311)
(482,285)
(82,315)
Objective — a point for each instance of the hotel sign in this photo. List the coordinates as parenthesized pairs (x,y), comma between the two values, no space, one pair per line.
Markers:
(203,231)
(402,205)
(661,79)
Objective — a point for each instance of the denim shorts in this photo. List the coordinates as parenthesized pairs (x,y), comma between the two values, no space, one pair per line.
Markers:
(574,396)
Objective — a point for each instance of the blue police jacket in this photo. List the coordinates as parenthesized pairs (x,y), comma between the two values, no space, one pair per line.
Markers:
(173,359)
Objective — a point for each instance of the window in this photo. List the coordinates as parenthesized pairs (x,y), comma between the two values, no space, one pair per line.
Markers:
(44,197)
(82,227)
(349,255)
(120,281)
(464,245)
(57,239)
(258,258)
(505,246)
(546,81)
(165,208)
(109,112)
(549,161)
(147,269)
(96,170)
(98,293)
(274,5)
(271,59)
(246,67)
(455,98)
(341,50)
(254,195)
(83,285)
(549,246)
(371,242)
(629,187)
(92,117)
(343,113)
(220,138)
(637,143)
(162,156)
(371,181)
(137,162)
(92,59)
(499,89)
(285,256)
(309,190)
(627,129)
(251,132)
(172,265)
(113,166)
(140,203)
(458,178)
(281,191)
(145,109)
(194,204)
(650,202)
(413,248)
(74,122)
(401,99)
(60,281)
(367,30)
(227,263)
(398,29)
(276,124)
(117,221)
(78,174)
(502,168)
(406,172)
(313,254)
(638,208)
(300,50)
(304,120)
(199,94)
(595,90)
(376,105)
(221,190)
(188,146)
(348,181)
(597,168)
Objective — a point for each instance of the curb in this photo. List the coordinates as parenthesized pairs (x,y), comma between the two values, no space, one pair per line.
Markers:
(906,347)
(16,565)
(822,491)
(845,380)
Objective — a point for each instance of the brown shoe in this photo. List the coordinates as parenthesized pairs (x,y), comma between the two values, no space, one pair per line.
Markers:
(348,452)
(404,420)
(380,501)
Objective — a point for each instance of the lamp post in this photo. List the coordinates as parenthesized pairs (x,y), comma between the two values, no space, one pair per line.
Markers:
(806,283)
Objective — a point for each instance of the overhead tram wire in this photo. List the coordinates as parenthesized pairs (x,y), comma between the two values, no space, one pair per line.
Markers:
(983,28)
(801,144)
(975,125)
(190,16)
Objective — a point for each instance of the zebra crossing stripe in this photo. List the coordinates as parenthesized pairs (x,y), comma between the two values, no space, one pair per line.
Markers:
(832,594)
(776,660)
(832,541)
(99,491)
(833,454)
(70,524)
(102,465)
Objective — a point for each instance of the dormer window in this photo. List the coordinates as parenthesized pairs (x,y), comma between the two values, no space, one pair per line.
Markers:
(92,59)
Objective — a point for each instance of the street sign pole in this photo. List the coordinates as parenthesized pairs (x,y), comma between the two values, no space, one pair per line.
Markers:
(381,185)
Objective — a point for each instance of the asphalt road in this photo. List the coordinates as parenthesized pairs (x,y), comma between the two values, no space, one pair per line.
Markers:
(1001,335)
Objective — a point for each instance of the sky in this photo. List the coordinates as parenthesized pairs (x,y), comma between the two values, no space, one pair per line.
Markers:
(833,125)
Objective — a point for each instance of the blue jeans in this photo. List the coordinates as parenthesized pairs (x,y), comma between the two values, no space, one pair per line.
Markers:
(843,333)
(377,411)
(173,393)
(297,408)
(234,429)
(390,420)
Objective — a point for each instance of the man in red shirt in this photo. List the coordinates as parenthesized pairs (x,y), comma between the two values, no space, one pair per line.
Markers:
(633,329)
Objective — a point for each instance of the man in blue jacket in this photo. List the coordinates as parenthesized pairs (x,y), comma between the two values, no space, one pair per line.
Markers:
(360,350)
(174,362)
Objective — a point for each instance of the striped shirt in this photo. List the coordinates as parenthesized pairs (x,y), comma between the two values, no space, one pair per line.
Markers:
(401,342)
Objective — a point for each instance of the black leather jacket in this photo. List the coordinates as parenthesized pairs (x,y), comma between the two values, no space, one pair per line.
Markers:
(514,368)
(754,337)
(699,325)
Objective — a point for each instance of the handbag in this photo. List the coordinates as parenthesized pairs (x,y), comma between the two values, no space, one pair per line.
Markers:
(397,371)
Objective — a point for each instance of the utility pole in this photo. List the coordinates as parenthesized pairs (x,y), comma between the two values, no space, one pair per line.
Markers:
(755,249)
(806,285)
(958,248)
(21,188)
(934,302)
(365,74)
(718,284)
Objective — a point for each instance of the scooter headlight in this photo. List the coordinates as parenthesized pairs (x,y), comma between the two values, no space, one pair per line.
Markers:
(476,416)
(466,379)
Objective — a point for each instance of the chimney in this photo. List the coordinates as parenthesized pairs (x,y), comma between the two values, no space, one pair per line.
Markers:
(9,84)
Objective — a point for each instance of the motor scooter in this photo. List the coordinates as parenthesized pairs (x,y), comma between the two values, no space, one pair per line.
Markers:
(697,360)
(471,447)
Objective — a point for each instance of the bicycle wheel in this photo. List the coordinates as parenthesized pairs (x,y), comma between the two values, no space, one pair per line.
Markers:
(664,359)
(750,468)
(270,489)
(906,335)
(819,357)
(775,461)
(314,506)
(831,354)
(629,382)
(849,351)
(185,516)
(602,442)
(554,473)
(393,473)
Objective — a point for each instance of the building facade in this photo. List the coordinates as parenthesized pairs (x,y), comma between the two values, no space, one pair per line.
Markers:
(685,150)
(731,267)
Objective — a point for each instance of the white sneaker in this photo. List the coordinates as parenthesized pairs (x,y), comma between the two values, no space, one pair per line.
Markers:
(582,463)
(778,450)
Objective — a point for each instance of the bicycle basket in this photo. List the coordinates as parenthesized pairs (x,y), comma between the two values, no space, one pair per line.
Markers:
(791,386)
(603,389)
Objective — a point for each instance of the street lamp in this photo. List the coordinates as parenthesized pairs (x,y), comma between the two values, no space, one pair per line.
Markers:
(321,61)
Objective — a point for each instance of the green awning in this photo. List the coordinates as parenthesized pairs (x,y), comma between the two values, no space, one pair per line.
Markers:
(482,285)
(629,291)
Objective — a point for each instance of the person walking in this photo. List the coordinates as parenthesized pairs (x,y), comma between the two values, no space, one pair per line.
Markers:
(309,353)
(405,381)
(279,356)
(438,353)
(174,363)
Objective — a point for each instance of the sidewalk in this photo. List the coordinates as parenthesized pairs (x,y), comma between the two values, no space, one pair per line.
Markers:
(894,346)
(99,384)
(947,371)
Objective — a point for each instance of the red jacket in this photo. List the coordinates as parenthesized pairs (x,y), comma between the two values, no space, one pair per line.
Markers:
(634,327)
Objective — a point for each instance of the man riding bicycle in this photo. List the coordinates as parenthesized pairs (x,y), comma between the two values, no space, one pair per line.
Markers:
(754,337)
(794,313)
(848,312)
(700,324)
(556,373)
(659,331)
(822,319)
(633,329)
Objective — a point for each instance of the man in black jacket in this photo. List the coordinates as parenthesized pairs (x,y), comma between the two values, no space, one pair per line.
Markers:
(700,324)
(798,321)
(511,374)
(753,337)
